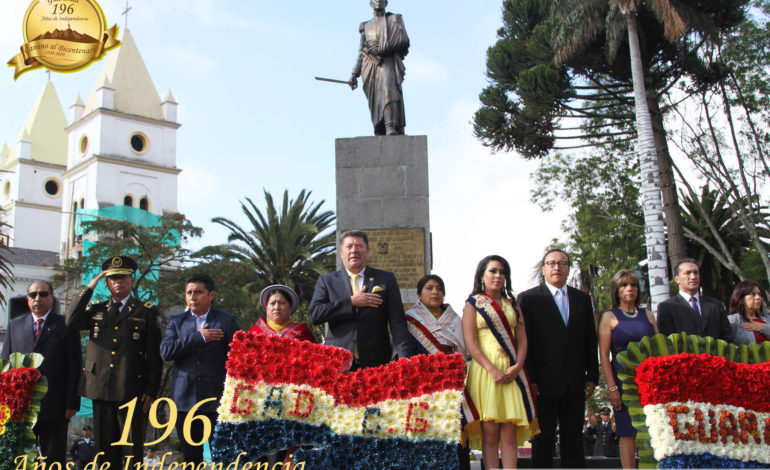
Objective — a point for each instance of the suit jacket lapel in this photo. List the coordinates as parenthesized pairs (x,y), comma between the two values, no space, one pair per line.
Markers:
(187,325)
(369,280)
(213,319)
(26,335)
(128,308)
(550,304)
(344,281)
(572,307)
(691,313)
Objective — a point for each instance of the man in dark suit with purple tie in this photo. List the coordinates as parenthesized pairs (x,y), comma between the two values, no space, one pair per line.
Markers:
(43,331)
(359,304)
(690,312)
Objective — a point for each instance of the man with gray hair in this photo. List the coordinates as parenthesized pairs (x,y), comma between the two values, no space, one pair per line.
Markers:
(44,332)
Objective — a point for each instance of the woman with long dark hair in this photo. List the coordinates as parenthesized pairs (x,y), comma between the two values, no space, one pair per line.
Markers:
(496,339)
(750,325)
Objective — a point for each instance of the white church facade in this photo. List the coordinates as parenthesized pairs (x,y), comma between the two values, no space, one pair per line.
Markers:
(117,148)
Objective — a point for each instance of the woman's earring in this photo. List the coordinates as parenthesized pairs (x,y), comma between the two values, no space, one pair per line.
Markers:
(483,287)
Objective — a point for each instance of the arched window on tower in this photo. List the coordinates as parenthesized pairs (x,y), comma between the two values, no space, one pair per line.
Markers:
(128,200)
(144,203)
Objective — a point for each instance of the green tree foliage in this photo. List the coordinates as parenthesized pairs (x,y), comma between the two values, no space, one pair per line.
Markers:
(725,124)
(292,244)
(155,248)
(717,280)
(605,228)
(534,106)
(237,289)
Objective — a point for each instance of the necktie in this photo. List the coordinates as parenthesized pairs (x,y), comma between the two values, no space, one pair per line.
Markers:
(37,328)
(561,302)
(694,305)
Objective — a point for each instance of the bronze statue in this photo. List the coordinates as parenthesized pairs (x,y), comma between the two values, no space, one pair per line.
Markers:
(384,44)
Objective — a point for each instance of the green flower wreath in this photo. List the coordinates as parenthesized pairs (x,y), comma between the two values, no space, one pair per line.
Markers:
(660,345)
(18,438)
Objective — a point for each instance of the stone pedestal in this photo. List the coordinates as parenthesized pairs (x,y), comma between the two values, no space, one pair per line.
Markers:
(382,188)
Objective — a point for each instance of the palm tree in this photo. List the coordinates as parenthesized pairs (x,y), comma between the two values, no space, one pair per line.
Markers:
(579,22)
(712,224)
(292,246)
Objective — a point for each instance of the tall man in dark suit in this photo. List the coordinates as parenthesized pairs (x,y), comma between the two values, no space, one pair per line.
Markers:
(198,341)
(43,331)
(358,304)
(122,359)
(562,360)
(690,312)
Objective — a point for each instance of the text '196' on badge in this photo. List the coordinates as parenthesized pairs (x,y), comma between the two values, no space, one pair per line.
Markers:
(63,36)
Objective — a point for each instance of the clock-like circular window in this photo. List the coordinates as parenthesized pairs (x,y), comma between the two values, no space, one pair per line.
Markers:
(139,143)
(52,187)
(83,145)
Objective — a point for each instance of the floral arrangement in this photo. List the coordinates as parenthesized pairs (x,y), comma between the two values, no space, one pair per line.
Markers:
(280,393)
(21,389)
(698,402)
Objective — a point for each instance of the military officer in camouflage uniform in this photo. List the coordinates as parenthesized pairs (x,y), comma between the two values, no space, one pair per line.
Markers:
(122,359)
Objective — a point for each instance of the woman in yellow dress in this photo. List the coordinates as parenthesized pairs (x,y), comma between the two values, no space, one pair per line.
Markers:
(494,333)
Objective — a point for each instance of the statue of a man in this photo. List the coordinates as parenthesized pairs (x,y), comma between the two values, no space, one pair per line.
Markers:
(380,64)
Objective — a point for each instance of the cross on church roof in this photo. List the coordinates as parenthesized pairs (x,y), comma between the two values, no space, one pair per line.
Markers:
(125,13)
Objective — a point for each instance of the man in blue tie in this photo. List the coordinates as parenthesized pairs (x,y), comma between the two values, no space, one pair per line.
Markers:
(562,360)
(689,311)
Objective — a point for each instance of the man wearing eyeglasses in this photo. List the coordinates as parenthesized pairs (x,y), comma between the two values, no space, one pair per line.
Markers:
(122,360)
(45,332)
(562,360)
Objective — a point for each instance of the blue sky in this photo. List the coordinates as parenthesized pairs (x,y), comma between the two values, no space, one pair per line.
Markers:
(253,117)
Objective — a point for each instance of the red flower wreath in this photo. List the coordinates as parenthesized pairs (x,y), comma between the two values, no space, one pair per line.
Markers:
(16,388)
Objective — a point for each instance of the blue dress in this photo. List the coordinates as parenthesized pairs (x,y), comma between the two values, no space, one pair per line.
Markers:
(629,330)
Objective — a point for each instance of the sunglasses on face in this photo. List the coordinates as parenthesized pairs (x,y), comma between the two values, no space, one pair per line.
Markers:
(41,293)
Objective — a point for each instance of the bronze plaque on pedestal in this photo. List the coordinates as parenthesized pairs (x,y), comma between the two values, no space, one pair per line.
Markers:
(401,251)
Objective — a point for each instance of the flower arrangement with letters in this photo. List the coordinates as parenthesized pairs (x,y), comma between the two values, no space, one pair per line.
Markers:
(280,393)
(698,402)
(21,389)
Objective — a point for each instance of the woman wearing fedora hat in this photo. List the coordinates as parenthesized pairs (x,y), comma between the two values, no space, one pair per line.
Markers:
(279,302)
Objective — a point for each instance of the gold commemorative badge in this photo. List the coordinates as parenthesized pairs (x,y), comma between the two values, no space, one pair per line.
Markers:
(63,36)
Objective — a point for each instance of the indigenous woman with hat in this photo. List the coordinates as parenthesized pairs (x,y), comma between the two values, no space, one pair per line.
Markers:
(279,303)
